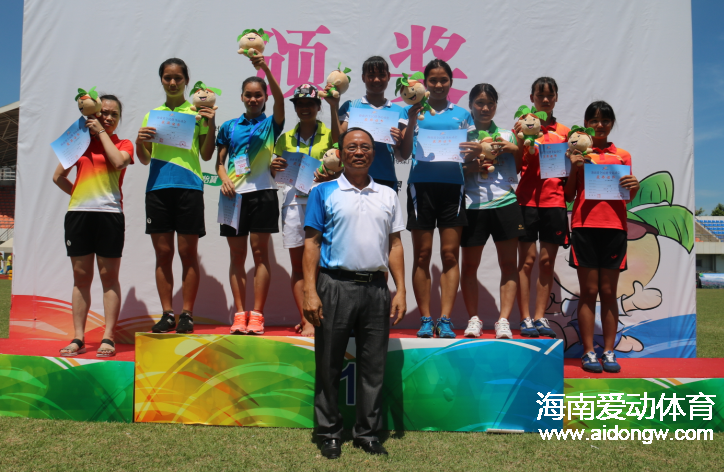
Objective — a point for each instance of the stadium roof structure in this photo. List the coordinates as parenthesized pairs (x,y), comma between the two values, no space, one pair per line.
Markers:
(9,118)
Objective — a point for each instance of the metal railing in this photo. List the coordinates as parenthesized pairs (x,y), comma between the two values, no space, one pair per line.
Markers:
(6,234)
(7,174)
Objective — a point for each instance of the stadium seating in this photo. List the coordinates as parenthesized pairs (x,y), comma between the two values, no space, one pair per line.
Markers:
(7,208)
(714,225)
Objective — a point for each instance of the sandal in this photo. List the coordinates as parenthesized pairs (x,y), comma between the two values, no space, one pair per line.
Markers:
(81,349)
(105,352)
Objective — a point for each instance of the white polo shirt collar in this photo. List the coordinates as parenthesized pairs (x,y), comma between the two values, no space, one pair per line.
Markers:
(450,106)
(344,185)
(387,104)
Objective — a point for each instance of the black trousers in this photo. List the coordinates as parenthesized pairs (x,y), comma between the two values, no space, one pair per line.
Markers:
(366,308)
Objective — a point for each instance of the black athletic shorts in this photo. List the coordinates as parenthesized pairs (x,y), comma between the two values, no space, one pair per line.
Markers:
(598,248)
(547,225)
(502,223)
(259,214)
(433,205)
(179,210)
(94,232)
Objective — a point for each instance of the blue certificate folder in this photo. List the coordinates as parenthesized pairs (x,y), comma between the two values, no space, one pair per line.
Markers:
(553,161)
(601,181)
(172,128)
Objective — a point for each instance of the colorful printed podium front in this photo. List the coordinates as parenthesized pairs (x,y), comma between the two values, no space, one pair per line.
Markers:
(430,384)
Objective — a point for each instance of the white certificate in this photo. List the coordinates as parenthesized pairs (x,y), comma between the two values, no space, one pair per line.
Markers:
(377,122)
(505,171)
(72,144)
(435,145)
(553,161)
(601,181)
(172,128)
(299,172)
(229,210)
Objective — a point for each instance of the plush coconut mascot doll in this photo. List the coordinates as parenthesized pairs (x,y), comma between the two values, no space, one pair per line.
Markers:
(339,81)
(530,123)
(252,42)
(203,97)
(88,102)
(490,152)
(581,139)
(413,92)
(331,161)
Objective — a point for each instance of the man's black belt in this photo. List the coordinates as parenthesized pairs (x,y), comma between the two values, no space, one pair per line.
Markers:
(354,276)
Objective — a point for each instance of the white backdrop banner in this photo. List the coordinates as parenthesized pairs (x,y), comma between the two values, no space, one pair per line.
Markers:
(634,55)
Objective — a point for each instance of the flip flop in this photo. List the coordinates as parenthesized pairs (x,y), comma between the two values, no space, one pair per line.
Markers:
(108,352)
(81,349)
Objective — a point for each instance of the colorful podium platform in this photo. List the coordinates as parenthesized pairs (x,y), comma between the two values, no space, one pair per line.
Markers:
(214,378)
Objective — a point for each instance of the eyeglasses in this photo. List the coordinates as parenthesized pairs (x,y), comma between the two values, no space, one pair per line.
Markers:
(366,148)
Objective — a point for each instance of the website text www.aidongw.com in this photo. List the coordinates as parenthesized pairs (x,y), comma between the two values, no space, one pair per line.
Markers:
(646,436)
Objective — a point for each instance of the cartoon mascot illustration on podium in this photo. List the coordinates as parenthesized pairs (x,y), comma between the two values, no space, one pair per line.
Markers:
(651,215)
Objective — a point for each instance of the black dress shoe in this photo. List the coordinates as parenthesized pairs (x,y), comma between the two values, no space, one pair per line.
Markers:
(332,448)
(370,447)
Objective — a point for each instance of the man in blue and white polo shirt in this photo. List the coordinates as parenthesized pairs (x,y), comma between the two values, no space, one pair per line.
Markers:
(353,235)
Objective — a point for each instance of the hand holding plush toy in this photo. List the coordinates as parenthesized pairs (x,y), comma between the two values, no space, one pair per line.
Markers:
(490,153)
(413,92)
(88,102)
(331,162)
(581,139)
(203,97)
(530,124)
(252,43)
(339,81)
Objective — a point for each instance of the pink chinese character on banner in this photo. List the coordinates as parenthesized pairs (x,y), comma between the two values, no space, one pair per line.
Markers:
(305,63)
(418,47)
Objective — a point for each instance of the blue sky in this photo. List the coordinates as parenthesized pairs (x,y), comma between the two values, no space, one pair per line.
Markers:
(708,88)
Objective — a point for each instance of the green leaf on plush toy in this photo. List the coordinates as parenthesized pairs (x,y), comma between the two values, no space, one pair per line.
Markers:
(589,131)
(522,110)
(418,76)
(402,82)
(259,32)
(91,93)
(202,86)
(81,92)
(541,114)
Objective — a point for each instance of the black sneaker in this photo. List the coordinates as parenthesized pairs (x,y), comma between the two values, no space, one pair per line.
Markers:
(167,323)
(185,324)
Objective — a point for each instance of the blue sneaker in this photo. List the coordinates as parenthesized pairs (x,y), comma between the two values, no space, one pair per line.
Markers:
(527,329)
(444,328)
(590,363)
(426,330)
(544,328)
(609,363)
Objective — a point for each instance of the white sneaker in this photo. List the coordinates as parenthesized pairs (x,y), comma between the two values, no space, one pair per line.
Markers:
(502,329)
(474,327)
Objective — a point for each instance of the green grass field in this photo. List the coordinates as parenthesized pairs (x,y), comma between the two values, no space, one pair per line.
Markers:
(63,445)
(5,286)
(710,329)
